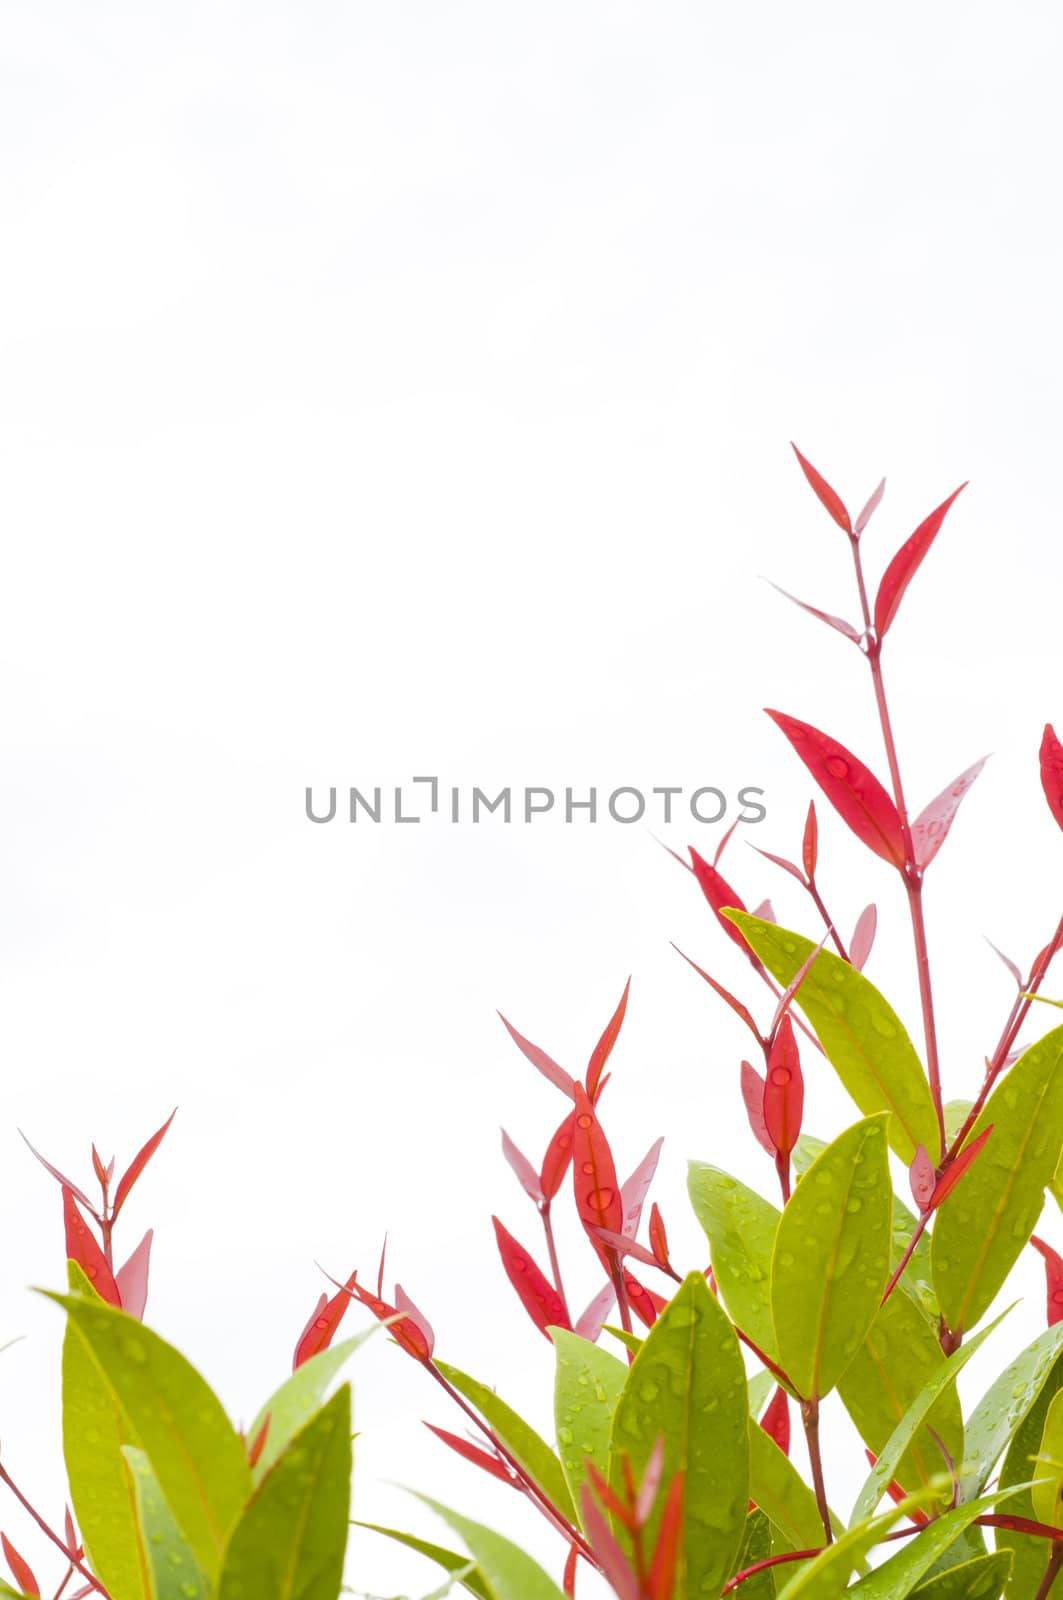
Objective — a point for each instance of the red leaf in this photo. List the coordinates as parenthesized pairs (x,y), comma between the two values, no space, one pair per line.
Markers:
(781,861)
(568,1582)
(81,1247)
(625,1246)
(839,624)
(776,1420)
(869,510)
(810,842)
(21,1569)
(852,789)
(537,1294)
(922,1179)
(98,1168)
(558,1155)
(725,994)
(863,937)
(608,1496)
(753,1094)
(722,846)
(784,1090)
(471,1452)
(948,1181)
(633,1193)
(611,1558)
(72,1544)
(603,1049)
(666,1551)
(658,1236)
(597,1191)
(824,493)
(651,1482)
(794,985)
(406,1333)
(906,563)
(931,826)
(589,1324)
(321,1329)
(719,894)
(138,1163)
(132,1279)
(764,912)
(1052,772)
(258,1443)
(529,1179)
(897,1494)
(417,1318)
(1012,968)
(1053,1279)
(79,1194)
(646,1305)
(541,1061)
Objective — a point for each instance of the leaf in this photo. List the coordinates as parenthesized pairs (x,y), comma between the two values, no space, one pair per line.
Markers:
(527,1176)
(1053,1280)
(137,1165)
(863,939)
(594,1173)
(885,1469)
(753,1097)
(899,1575)
(899,1356)
(756,1547)
(827,1575)
(81,1247)
(537,1294)
(291,1540)
(518,1436)
(634,1191)
(173,1572)
(101,1488)
(132,1279)
(472,1452)
(862,1036)
(779,1490)
(725,994)
(984,1223)
(980,1579)
(930,828)
(558,1155)
(541,1061)
(1028,1553)
(784,1090)
(688,1383)
(21,1570)
(826,496)
(1047,1491)
(508,1572)
(851,787)
(60,1178)
(1051,773)
(291,1406)
(604,1048)
(587,1387)
(906,563)
(874,501)
(948,1180)
(831,1258)
(174,1417)
(447,1559)
(839,624)
(740,1228)
(1004,1407)
(720,895)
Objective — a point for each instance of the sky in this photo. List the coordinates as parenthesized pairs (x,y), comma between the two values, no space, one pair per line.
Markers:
(407,391)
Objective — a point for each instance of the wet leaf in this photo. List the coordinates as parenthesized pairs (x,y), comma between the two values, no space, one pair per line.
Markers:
(741,1228)
(850,786)
(827,497)
(930,829)
(508,1572)
(982,1578)
(906,563)
(449,1560)
(291,1406)
(914,1560)
(173,1572)
(587,1387)
(518,1436)
(1052,772)
(537,1294)
(831,1258)
(861,1034)
(777,1487)
(1028,1553)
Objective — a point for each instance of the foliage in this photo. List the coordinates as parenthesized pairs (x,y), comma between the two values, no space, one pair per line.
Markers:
(670,1470)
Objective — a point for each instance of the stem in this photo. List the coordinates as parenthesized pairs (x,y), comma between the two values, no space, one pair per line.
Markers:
(913,877)
(765,1360)
(810,1418)
(70,1555)
(782,1167)
(766,1565)
(1055,1561)
(828,920)
(907,1256)
(551,1245)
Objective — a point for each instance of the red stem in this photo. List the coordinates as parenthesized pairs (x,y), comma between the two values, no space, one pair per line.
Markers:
(913,877)
(70,1555)
(1055,1561)
(810,1418)
(907,1256)
(828,921)
(551,1246)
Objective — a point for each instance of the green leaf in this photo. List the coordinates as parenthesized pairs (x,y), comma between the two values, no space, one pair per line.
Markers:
(1048,1470)
(102,1491)
(898,1576)
(781,1493)
(759,1386)
(688,1384)
(756,1546)
(449,1560)
(169,1411)
(982,1226)
(741,1228)
(173,1572)
(899,1356)
(1004,1406)
(828,1574)
(298,1398)
(862,1036)
(831,1258)
(509,1573)
(291,1540)
(981,1579)
(956,1114)
(1028,1552)
(630,1341)
(587,1387)
(885,1469)
(518,1436)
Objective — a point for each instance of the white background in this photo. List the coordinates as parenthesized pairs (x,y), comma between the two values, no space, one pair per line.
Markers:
(406,389)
